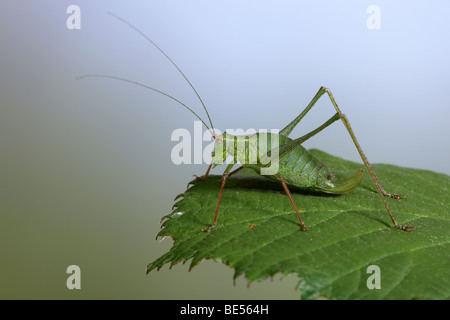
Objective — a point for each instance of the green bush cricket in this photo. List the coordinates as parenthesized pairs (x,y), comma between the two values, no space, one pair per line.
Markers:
(296,166)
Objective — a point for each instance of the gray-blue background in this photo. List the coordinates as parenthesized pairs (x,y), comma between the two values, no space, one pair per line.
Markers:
(86,173)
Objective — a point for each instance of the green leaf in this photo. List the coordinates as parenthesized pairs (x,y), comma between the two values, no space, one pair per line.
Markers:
(258,233)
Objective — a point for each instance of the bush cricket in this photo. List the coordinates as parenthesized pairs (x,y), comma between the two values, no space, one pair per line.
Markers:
(297,167)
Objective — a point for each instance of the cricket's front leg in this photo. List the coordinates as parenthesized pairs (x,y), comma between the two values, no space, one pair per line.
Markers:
(224,179)
(205,177)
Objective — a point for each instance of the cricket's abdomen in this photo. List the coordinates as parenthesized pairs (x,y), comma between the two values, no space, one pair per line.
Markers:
(302,169)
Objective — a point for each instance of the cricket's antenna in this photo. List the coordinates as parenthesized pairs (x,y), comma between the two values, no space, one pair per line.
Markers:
(147,87)
(171,61)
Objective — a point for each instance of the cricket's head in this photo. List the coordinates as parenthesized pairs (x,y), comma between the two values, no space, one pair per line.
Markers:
(223,146)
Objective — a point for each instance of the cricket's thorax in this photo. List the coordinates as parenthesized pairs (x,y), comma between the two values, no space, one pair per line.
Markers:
(260,149)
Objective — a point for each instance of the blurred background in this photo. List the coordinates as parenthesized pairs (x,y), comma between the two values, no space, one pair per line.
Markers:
(85,166)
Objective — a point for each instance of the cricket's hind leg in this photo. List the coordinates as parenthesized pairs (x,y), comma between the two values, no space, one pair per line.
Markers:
(382,193)
(339,115)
